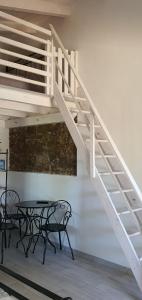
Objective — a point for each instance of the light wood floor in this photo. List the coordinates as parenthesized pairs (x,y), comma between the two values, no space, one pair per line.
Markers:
(81,279)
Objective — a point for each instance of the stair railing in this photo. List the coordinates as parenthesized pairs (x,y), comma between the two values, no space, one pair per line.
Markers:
(94,113)
(27,57)
(28,43)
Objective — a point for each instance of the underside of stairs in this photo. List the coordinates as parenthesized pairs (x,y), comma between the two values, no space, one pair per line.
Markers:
(38,77)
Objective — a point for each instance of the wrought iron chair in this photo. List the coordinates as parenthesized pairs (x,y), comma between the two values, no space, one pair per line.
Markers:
(5,226)
(58,215)
(8,200)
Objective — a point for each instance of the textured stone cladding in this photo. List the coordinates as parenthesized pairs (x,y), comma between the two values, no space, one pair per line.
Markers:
(45,148)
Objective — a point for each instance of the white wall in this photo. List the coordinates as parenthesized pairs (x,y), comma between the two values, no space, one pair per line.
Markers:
(89,229)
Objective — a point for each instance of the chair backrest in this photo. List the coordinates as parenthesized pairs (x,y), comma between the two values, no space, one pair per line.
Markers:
(8,200)
(59,212)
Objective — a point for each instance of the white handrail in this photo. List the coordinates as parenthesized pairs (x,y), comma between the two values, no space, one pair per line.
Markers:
(22,46)
(22,33)
(25,23)
(22,79)
(95,112)
(24,57)
(14,65)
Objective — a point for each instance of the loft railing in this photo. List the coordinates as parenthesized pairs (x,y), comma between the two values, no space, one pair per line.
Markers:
(26,57)
(22,43)
(63,65)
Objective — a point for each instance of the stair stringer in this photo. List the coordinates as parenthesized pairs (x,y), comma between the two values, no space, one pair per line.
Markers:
(119,229)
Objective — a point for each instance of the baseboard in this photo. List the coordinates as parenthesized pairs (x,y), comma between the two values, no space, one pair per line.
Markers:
(94,260)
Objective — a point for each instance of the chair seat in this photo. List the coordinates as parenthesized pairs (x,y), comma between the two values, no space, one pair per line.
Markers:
(53,227)
(7,226)
(16,216)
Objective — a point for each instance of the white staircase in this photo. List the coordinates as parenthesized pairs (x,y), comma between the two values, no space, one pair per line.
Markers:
(116,187)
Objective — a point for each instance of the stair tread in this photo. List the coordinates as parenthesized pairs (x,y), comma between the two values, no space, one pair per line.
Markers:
(98,140)
(132,234)
(102,140)
(106,155)
(85,125)
(83,111)
(105,173)
(118,191)
(123,212)
(71,99)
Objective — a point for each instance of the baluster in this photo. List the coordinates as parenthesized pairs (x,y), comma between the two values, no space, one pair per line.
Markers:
(72,78)
(76,67)
(66,73)
(60,66)
(47,78)
(92,146)
(52,67)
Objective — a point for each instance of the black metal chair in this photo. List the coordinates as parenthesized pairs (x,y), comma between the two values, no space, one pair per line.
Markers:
(8,200)
(58,215)
(5,226)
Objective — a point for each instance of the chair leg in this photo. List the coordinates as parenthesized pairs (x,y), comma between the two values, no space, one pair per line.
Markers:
(35,244)
(20,229)
(50,242)
(29,246)
(5,239)
(20,233)
(2,246)
(45,248)
(60,242)
(69,244)
(9,239)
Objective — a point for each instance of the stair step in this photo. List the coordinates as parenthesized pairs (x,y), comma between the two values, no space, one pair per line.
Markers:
(110,173)
(125,212)
(134,234)
(85,125)
(72,99)
(101,140)
(97,140)
(123,191)
(75,110)
(106,156)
